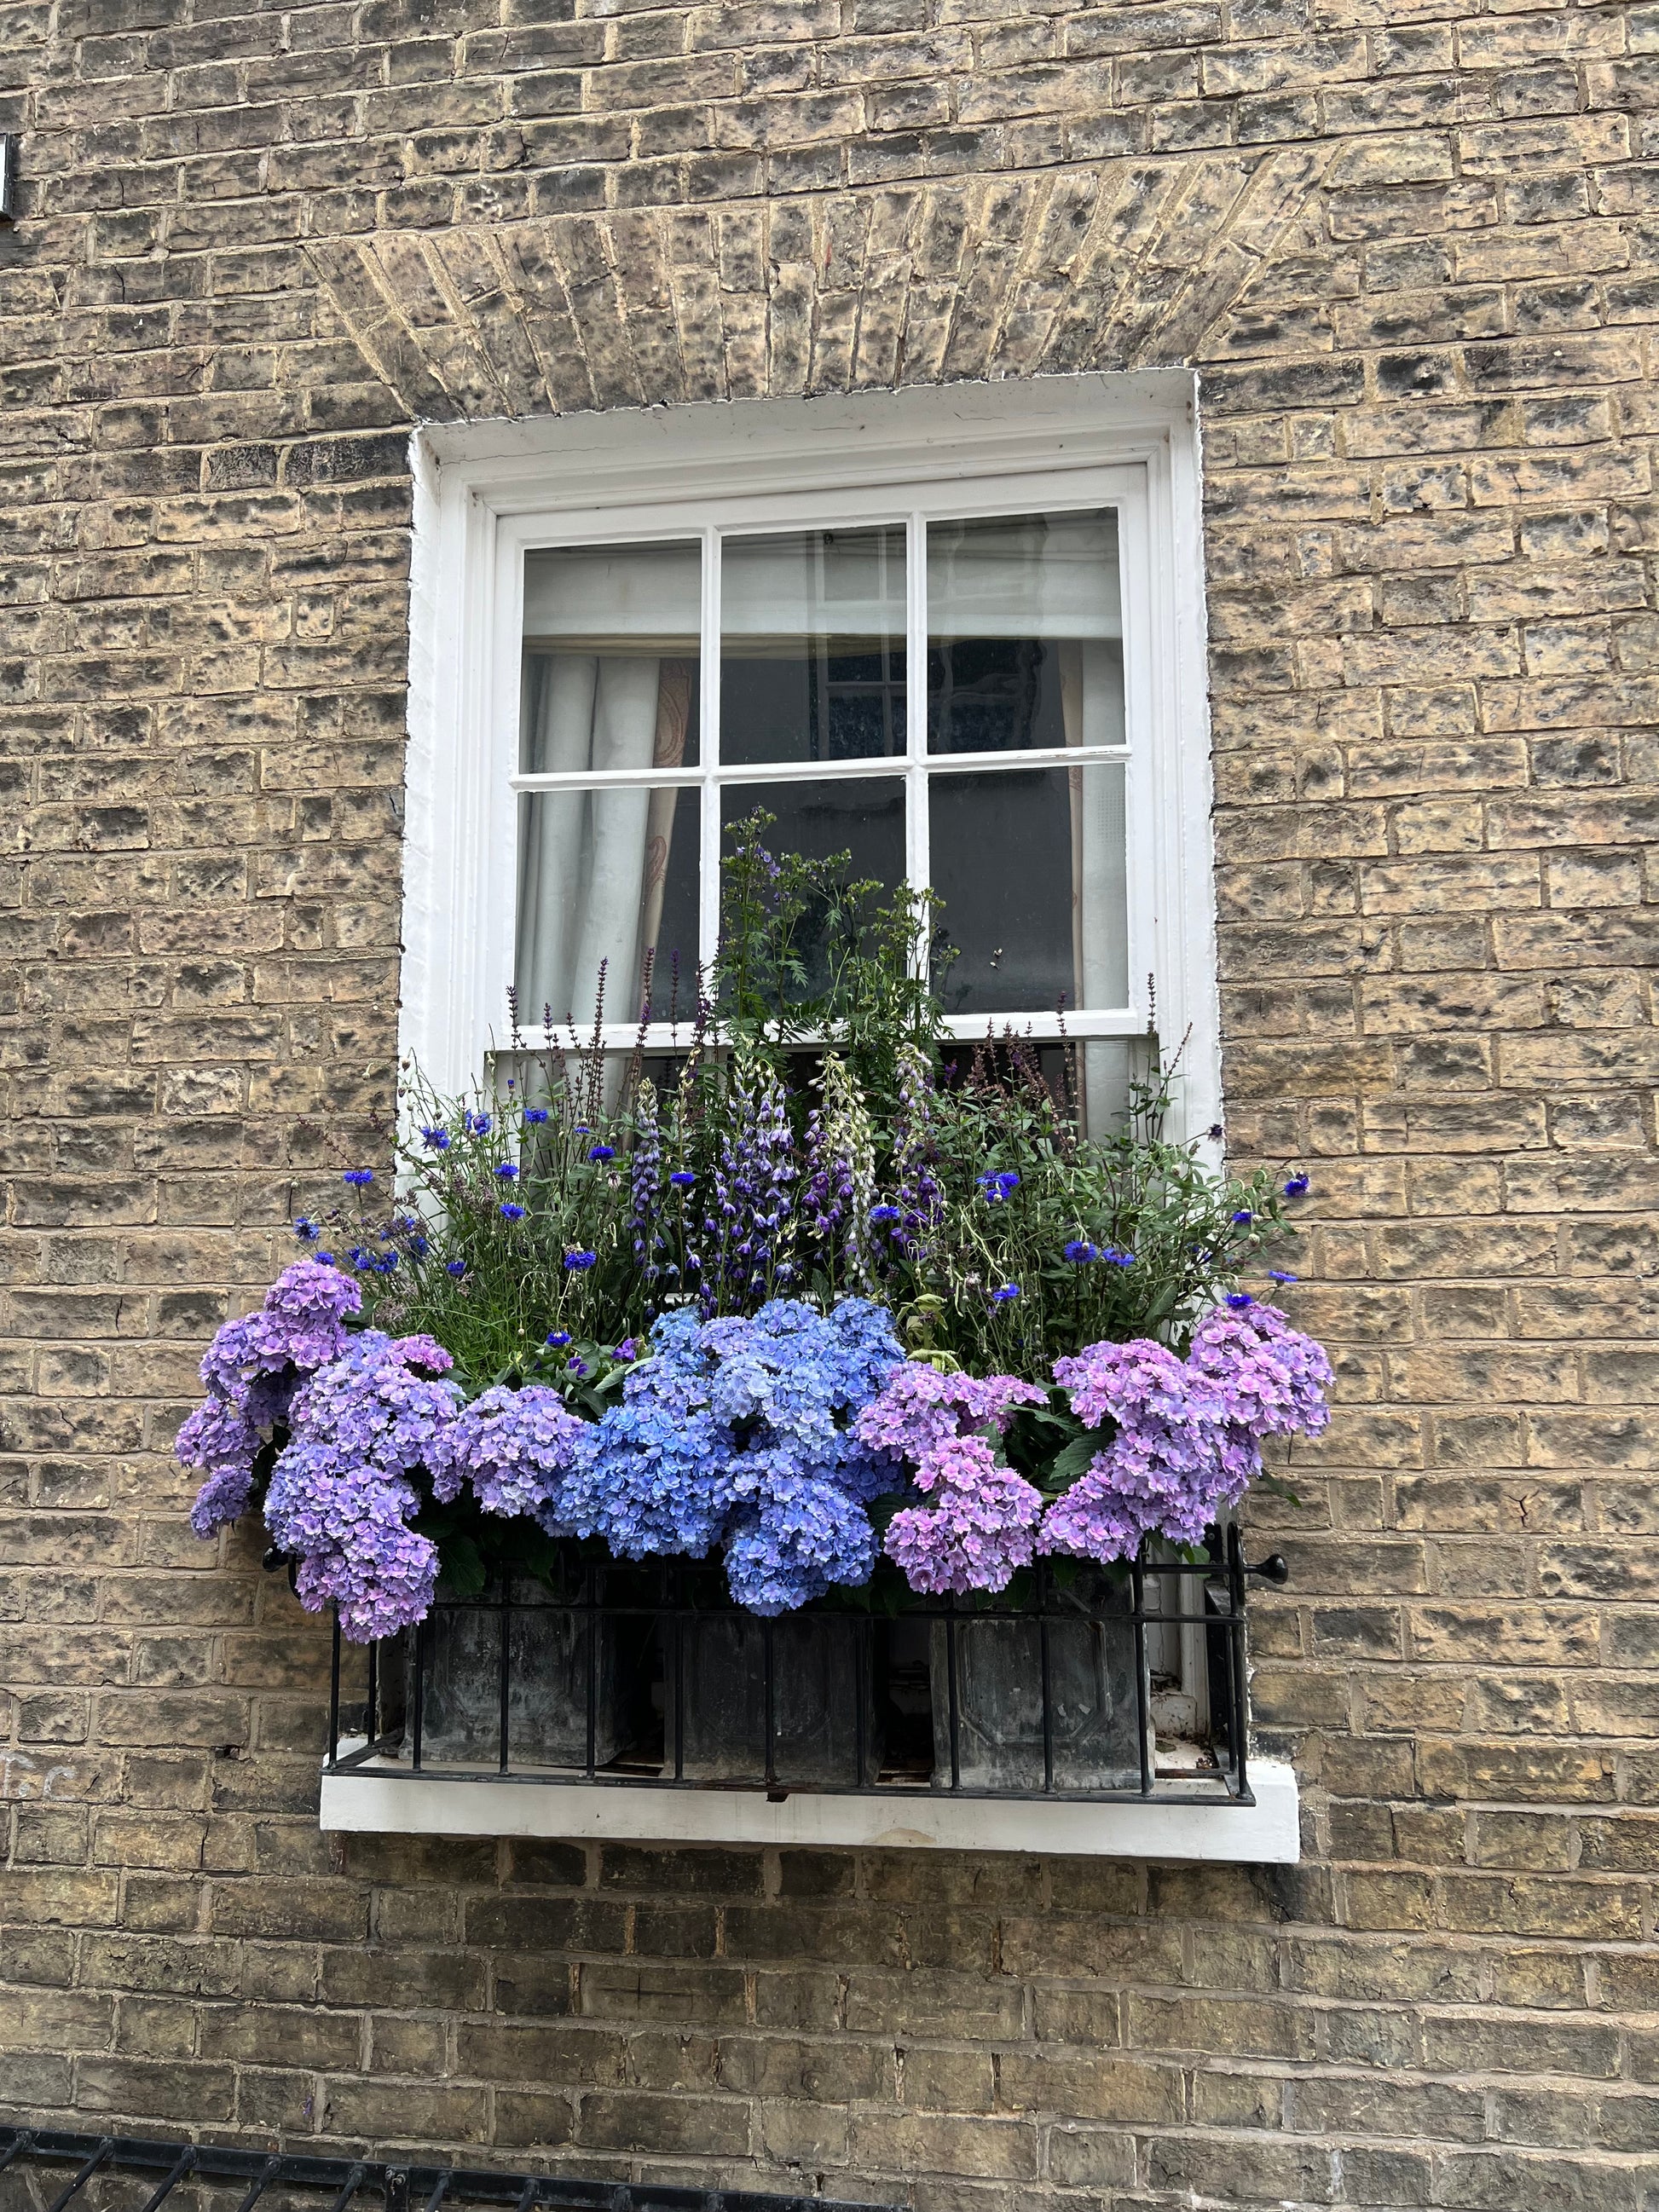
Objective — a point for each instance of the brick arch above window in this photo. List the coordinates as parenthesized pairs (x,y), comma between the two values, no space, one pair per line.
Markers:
(1122,264)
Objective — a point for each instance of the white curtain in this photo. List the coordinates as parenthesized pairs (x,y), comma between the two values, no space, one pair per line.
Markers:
(592,863)
(1092,705)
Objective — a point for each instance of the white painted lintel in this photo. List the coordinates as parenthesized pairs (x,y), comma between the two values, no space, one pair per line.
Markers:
(381,1800)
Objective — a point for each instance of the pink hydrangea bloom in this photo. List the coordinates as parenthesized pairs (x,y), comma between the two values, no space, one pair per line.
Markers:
(980,1525)
(920,1408)
(1187,1432)
(514,1447)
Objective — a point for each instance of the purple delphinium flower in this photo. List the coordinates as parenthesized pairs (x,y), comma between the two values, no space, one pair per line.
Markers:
(645,1188)
(914,1149)
(749,1220)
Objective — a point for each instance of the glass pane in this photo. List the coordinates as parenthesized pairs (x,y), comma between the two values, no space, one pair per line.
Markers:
(1024,633)
(861,816)
(610,635)
(812,645)
(604,876)
(1030,863)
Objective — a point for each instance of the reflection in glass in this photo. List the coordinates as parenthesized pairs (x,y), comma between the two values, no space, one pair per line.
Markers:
(1024,633)
(861,816)
(604,875)
(812,645)
(1030,864)
(610,637)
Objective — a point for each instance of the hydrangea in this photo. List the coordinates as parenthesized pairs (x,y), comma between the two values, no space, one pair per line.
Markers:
(1187,1433)
(981,1526)
(340,1496)
(743,1431)
(1275,1379)
(920,1408)
(514,1447)
(251,1369)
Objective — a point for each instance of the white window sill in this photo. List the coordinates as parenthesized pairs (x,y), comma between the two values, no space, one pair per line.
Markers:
(381,1799)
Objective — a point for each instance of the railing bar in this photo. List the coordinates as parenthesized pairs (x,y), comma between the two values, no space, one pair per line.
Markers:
(1137,1589)
(1236,1634)
(677,1591)
(440,2189)
(418,1714)
(768,1653)
(860,1659)
(529,2193)
(182,2165)
(590,1644)
(334,1695)
(19,2143)
(953,1715)
(372,1709)
(1047,1678)
(348,2188)
(105,2145)
(506,1686)
(261,2181)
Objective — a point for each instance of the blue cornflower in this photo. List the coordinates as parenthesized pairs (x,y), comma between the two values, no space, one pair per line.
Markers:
(477,1124)
(360,1177)
(387,1263)
(435,1140)
(326,1258)
(1243,1218)
(456,1268)
(306,1229)
(511,1212)
(579,1262)
(560,1336)
(1296,1186)
(1240,1299)
(536,1114)
(1008,1290)
(418,1248)
(508,1172)
(1119,1259)
(356,1257)
(574,1366)
(997,1187)
(682,1178)
(1277,1275)
(581,1129)
(602,1151)
(883,1213)
(1082,1251)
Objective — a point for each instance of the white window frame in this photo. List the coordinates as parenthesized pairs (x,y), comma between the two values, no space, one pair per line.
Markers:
(488,493)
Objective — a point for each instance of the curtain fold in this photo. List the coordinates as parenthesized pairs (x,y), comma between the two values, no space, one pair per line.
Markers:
(586,857)
(1092,709)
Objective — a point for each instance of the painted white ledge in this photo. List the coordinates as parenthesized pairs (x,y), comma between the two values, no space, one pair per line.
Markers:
(378,1799)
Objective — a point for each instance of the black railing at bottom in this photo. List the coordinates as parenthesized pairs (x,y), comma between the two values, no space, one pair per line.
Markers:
(341,2184)
(648,1677)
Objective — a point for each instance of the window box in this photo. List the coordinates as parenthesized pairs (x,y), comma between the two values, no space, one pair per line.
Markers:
(1028,1721)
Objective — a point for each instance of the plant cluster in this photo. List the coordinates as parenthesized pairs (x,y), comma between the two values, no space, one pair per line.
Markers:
(817,1283)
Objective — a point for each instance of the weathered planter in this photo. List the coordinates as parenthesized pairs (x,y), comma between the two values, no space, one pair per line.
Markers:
(547,1651)
(1095,1725)
(817,1698)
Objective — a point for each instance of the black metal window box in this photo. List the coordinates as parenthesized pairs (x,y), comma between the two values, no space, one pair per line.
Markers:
(1076,1687)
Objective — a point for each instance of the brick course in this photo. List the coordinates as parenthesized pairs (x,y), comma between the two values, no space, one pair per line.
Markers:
(1413,249)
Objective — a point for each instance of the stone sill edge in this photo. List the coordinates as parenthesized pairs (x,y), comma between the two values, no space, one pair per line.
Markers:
(1267,1833)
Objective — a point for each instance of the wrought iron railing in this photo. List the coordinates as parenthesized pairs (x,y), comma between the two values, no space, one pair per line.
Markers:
(648,1677)
(339,2185)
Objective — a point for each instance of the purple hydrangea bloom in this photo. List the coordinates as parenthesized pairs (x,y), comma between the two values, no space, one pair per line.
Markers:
(340,1497)
(514,1447)
(251,1369)
(920,1408)
(1187,1433)
(981,1525)
(982,1519)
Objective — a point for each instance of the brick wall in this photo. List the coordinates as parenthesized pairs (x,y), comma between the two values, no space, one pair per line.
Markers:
(1415,250)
